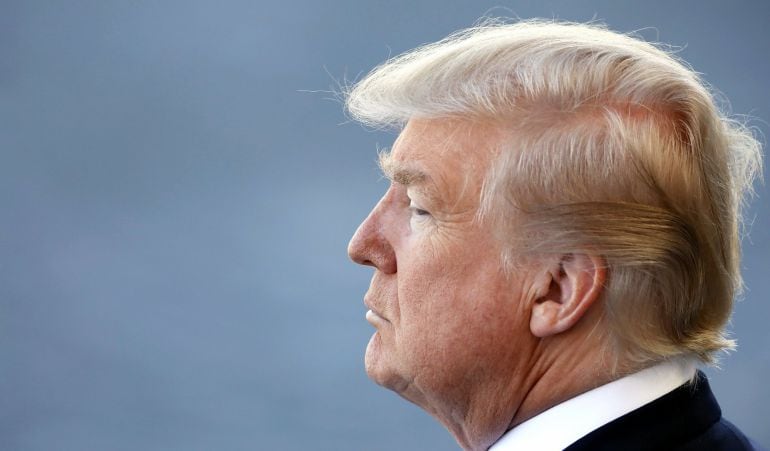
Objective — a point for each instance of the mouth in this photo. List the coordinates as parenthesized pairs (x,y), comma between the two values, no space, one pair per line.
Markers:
(373,316)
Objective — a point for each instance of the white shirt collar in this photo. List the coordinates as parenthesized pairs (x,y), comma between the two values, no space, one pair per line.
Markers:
(565,423)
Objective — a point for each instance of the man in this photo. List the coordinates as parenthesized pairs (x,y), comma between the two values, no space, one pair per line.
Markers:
(558,248)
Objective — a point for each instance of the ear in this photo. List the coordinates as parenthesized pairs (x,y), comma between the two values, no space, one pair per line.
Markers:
(575,284)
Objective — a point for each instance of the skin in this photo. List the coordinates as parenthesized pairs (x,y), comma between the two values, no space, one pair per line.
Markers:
(479,349)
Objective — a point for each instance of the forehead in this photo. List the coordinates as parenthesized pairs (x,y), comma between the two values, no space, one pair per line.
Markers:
(446,146)
(448,157)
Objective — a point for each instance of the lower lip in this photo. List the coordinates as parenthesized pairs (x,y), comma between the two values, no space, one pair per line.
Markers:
(374,318)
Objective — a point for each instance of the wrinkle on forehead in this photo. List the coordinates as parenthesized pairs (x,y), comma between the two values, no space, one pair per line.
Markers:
(448,155)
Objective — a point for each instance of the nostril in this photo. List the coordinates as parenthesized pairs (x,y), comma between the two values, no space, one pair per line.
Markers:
(361,253)
(369,250)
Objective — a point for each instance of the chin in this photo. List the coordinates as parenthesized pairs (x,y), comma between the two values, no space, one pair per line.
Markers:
(379,366)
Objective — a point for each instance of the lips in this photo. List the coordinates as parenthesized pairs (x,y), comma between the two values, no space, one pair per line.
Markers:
(373,315)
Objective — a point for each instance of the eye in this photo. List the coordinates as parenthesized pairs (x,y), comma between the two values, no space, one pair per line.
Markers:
(417,211)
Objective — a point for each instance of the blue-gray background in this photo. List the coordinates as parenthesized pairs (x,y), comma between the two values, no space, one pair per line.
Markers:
(174,212)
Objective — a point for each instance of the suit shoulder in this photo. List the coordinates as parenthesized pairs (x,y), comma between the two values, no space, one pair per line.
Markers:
(721,436)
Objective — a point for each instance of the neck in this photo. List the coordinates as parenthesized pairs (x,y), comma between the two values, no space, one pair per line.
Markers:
(560,367)
(573,373)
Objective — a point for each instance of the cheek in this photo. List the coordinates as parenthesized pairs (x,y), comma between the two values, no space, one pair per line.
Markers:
(450,307)
(458,333)
(451,295)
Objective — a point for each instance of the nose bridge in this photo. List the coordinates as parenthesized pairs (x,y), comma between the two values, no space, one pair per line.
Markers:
(370,245)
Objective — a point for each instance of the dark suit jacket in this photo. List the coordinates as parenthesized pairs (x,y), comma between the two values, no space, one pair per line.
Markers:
(687,419)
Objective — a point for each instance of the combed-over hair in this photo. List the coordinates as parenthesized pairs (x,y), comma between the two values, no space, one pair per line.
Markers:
(616,148)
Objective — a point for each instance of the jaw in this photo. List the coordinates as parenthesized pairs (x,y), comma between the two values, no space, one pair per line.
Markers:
(475,400)
(476,407)
(380,365)
(490,387)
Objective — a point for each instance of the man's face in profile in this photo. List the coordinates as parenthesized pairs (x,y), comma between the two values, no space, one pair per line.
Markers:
(444,311)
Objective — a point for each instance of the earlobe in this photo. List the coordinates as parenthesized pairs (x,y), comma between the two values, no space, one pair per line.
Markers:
(574,287)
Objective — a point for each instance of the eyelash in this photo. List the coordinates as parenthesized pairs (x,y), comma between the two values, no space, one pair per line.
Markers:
(418,211)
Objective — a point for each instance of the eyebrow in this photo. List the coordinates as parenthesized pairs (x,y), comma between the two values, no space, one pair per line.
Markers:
(399,173)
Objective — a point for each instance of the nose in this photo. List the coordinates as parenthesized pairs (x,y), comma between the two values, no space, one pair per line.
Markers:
(370,246)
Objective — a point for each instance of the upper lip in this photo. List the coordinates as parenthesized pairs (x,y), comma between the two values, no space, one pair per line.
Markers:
(368,304)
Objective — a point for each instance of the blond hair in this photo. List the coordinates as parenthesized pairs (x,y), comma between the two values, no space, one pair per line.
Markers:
(616,148)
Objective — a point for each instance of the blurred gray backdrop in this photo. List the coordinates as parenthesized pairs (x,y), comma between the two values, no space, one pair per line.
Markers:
(175,207)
